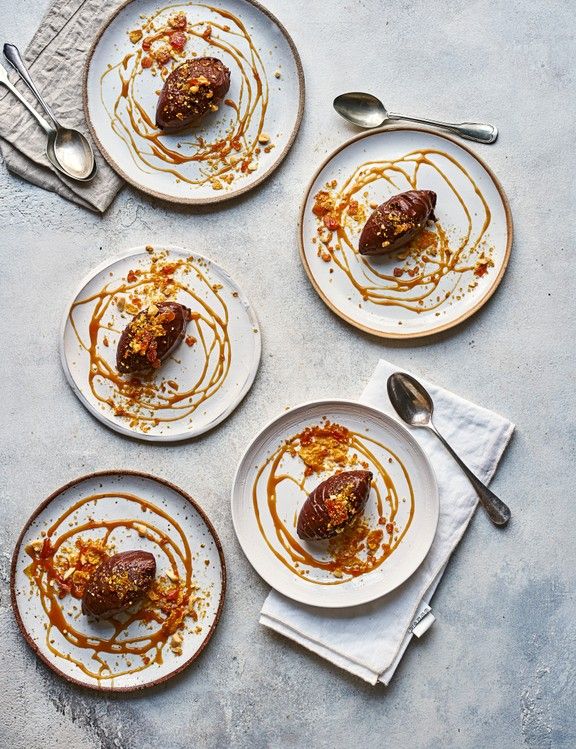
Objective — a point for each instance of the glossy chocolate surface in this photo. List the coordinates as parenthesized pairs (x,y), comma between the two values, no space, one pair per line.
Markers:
(397,221)
(334,504)
(119,582)
(191,91)
(151,336)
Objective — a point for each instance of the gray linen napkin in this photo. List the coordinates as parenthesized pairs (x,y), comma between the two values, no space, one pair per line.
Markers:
(56,57)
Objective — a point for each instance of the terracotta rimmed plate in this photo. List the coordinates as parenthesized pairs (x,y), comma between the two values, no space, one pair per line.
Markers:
(401,460)
(217,370)
(176,515)
(259,53)
(379,295)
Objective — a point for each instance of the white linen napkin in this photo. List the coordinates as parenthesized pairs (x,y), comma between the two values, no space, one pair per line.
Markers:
(370,640)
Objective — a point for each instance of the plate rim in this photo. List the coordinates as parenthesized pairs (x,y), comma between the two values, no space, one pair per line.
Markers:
(120,428)
(444,326)
(42,506)
(403,430)
(220,198)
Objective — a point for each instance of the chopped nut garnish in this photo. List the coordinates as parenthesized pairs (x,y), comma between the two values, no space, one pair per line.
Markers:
(35,546)
(178,20)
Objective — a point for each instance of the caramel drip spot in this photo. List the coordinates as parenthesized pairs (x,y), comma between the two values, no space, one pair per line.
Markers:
(437,267)
(131,641)
(364,545)
(235,152)
(148,399)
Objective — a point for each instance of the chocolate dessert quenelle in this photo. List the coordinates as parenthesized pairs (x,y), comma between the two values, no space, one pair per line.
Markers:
(151,336)
(192,90)
(397,221)
(334,504)
(118,583)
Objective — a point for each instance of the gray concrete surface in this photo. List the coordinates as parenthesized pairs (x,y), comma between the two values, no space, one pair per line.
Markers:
(497,669)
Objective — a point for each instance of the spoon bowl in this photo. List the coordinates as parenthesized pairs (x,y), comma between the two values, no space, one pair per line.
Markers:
(410,399)
(361,109)
(72,153)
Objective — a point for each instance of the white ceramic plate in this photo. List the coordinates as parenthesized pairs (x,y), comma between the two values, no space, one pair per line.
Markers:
(208,572)
(214,290)
(468,291)
(348,591)
(272,61)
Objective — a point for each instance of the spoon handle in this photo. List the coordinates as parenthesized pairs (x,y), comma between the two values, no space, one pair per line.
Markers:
(5,81)
(470,130)
(498,512)
(12,54)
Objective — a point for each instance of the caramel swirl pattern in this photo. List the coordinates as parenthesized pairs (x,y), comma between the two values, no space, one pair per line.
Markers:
(363,546)
(133,640)
(148,400)
(234,153)
(435,268)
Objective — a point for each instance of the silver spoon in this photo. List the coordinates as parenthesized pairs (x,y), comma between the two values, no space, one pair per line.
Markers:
(67,149)
(414,405)
(368,111)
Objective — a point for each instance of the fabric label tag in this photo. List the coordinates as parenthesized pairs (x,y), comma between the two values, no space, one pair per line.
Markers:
(423,621)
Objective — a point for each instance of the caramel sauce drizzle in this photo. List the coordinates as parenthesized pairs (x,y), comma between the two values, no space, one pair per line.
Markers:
(132,123)
(437,260)
(143,400)
(146,648)
(360,548)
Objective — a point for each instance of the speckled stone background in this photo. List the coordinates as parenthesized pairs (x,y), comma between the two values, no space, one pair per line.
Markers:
(497,668)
